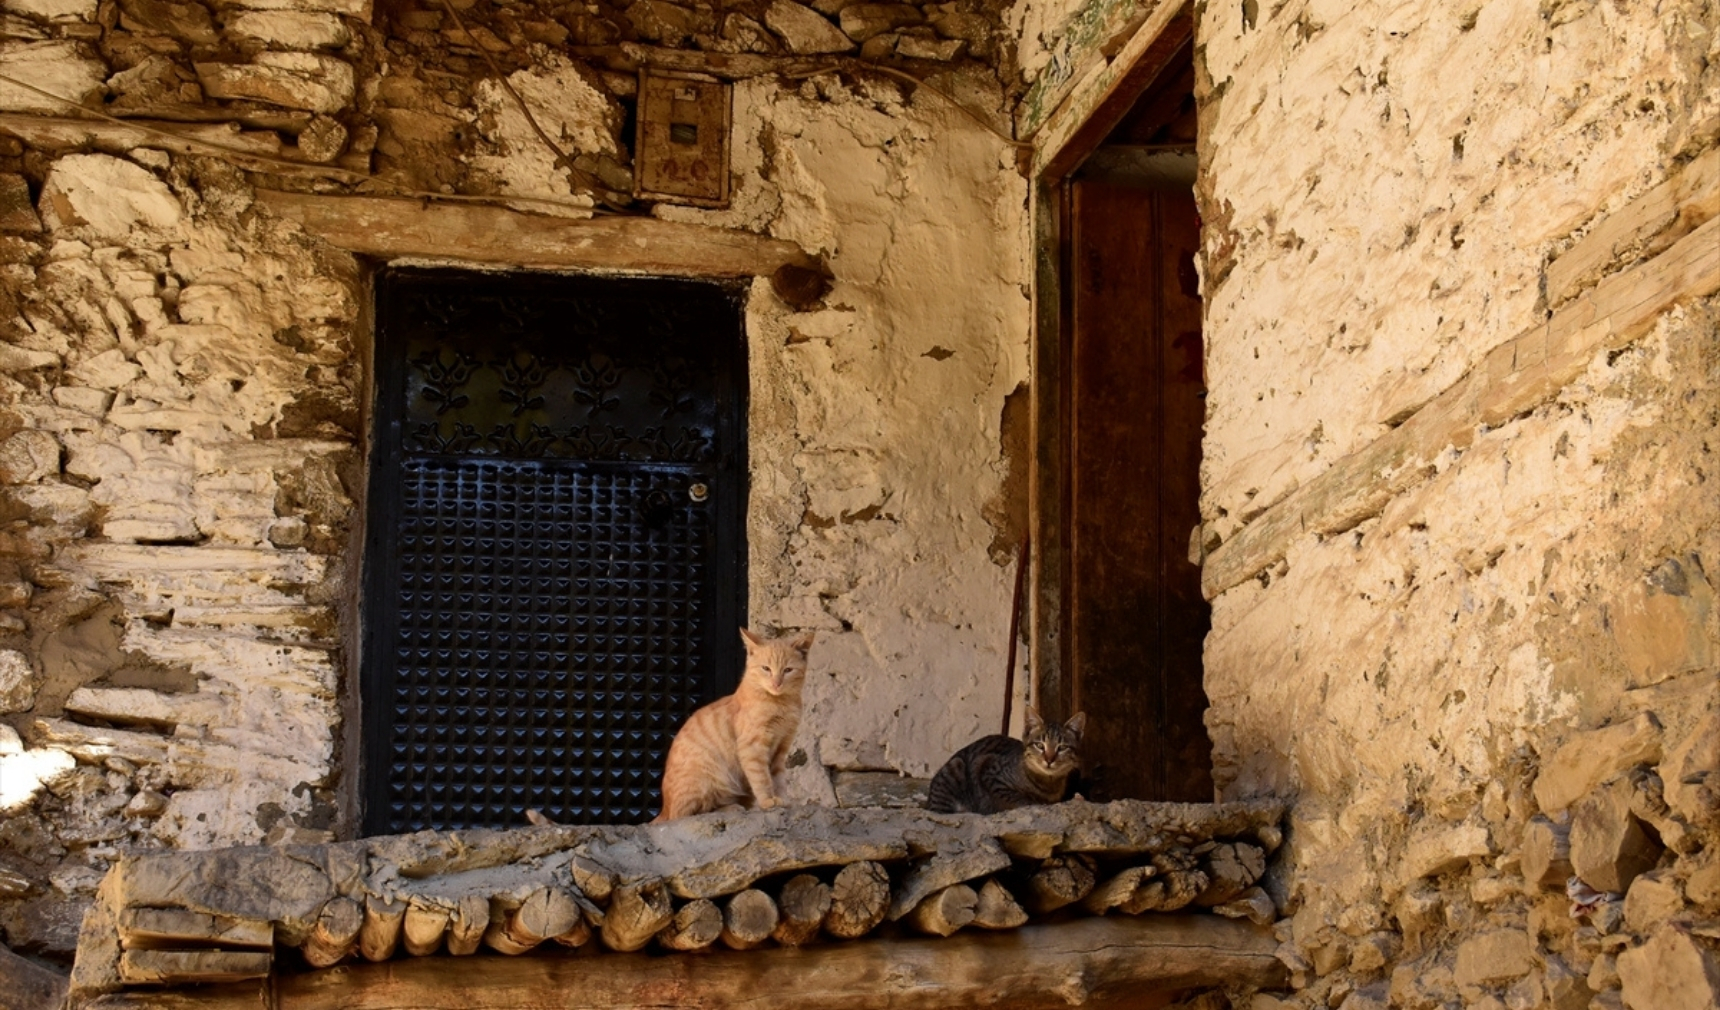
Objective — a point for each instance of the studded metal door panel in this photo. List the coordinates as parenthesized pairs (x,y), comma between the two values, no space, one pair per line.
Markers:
(555,550)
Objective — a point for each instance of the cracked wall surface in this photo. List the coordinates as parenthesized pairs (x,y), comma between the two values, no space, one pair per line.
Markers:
(182,408)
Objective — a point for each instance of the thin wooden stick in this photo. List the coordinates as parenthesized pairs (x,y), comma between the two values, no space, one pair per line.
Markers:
(1015,628)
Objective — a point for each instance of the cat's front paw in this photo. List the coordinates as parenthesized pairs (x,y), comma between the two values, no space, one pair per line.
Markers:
(768,802)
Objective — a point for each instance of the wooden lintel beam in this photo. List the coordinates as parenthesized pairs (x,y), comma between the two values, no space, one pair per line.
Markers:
(1113,961)
(392,227)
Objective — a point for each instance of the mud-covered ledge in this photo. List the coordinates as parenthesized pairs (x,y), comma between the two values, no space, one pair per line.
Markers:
(1513,378)
(784,878)
(393,227)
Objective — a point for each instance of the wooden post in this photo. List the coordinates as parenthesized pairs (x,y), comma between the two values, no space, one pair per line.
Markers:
(335,937)
(1059,881)
(997,908)
(946,911)
(748,919)
(696,926)
(380,933)
(803,904)
(859,897)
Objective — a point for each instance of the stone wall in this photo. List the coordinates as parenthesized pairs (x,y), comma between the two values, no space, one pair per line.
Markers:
(182,418)
(1459,509)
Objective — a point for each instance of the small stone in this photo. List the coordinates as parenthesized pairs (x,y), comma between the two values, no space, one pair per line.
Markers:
(107,197)
(1496,956)
(1373,952)
(862,21)
(919,47)
(672,24)
(17,212)
(1672,971)
(880,47)
(307,81)
(1609,846)
(288,532)
(1440,848)
(94,402)
(1565,989)
(1703,887)
(290,29)
(188,21)
(28,456)
(1546,859)
(1253,904)
(1368,998)
(1653,898)
(147,804)
(1603,974)
(804,30)
(1688,769)
(10,741)
(958,25)
(747,35)
(17,682)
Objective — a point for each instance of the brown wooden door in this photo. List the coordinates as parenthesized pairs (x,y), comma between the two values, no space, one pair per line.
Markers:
(1136,617)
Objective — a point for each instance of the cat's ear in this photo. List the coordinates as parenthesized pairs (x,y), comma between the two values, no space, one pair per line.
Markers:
(1034,723)
(750,640)
(1076,723)
(802,642)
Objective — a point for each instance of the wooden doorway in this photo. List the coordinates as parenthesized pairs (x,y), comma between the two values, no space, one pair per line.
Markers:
(1132,394)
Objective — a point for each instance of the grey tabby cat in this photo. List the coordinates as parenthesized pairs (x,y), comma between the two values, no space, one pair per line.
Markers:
(997,772)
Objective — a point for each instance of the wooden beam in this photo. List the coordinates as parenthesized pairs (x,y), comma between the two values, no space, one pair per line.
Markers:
(231,996)
(1099,29)
(1101,100)
(1110,962)
(389,227)
(1513,378)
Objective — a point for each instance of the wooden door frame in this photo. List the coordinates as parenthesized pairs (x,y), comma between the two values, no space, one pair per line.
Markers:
(1080,123)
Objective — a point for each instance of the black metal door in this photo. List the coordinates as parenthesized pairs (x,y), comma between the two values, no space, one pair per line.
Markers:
(555,560)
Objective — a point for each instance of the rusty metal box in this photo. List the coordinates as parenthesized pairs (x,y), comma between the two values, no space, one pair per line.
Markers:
(682,146)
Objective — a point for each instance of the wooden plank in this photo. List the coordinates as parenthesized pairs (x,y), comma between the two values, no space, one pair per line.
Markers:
(230,996)
(1102,99)
(1109,962)
(178,928)
(180,967)
(1512,379)
(390,228)
(26,985)
(1660,216)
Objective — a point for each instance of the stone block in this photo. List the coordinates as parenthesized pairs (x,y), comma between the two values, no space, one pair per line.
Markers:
(28,456)
(862,21)
(660,21)
(66,69)
(804,30)
(23,776)
(1590,758)
(187,20)
(1609,847)
(106,197)
(921,47)
(17,682)
(1653,898)
(1499,955)
(1546,854)
(53,10)
(1660,622)
(1672,971)
(290,29)
(1689,772)
(1439,848)
(1702,888)
(878,789)
(307,81)
(17,212)
(1564,988)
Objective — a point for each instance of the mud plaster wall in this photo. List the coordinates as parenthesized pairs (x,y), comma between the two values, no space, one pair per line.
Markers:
(182,432)
(1383,186)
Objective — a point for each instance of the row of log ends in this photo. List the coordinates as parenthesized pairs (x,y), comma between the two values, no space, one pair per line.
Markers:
(976,886)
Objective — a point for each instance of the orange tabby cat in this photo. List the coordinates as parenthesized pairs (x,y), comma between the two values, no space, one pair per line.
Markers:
(730,752)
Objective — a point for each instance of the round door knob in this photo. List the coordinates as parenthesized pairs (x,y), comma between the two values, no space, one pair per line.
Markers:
(698,492)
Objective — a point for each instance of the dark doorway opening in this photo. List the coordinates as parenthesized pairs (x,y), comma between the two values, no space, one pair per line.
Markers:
(555,557)
(1133,396)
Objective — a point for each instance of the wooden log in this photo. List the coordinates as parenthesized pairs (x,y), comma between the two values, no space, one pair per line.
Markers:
(181,928)
(426,923)
(467,926)
(955,865)
(946,911)
(1098,963)
(502,909)
(391,227)
(748,919)
(335,937)
(1546,854)
(997,908)
(26,985)
(801,906)
(593,880)
(696,926)
(859,898)
(636,913)
(1254,904)
(1059,881)
(183,967)
(253,995)
(1231,868)
(1118,890)
(380,934)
